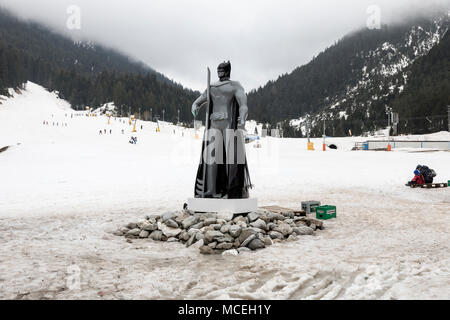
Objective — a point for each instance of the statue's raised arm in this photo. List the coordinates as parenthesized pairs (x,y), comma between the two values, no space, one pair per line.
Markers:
(197,105)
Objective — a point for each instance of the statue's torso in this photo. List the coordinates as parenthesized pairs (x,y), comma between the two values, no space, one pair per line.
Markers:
(222,95)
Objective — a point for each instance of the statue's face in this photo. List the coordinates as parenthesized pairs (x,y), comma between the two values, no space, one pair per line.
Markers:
(224,70)
(221,73)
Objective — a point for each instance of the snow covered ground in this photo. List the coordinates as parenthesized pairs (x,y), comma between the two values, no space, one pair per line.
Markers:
(64,188)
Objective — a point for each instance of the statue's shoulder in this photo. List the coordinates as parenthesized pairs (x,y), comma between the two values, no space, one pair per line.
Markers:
(237,85)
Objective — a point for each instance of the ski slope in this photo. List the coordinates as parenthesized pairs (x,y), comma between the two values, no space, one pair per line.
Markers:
(65,188)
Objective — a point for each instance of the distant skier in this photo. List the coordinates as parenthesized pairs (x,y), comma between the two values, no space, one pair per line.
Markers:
(110,131)
(100,133)
(105,131)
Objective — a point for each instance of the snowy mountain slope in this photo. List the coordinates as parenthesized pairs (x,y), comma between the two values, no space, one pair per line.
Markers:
(385,73)
(350,83)
(22,115)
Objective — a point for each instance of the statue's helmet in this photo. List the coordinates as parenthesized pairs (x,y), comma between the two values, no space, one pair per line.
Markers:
(224,70)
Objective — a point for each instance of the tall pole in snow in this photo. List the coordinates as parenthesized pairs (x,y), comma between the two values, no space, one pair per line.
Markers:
(307,128)
(389,114)
(324,129)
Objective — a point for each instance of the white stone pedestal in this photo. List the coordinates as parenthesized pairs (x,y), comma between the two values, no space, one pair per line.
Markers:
(235,206)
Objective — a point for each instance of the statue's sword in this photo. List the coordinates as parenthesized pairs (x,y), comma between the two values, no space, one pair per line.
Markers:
(205,139)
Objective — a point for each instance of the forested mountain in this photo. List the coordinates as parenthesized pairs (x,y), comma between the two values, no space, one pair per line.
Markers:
(83,73)
(428,91)
(351,83)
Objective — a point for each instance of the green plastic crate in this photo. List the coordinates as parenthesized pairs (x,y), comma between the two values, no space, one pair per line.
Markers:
(326,212)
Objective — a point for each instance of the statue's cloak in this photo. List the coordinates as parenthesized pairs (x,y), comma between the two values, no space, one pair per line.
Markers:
(228,180)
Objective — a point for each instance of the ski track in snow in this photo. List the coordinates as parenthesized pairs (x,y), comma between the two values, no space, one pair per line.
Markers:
(63,190)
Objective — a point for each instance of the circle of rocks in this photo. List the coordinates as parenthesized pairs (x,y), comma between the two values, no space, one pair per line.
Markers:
(222,233)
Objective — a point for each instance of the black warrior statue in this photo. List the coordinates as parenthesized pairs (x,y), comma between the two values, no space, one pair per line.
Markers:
(223,171)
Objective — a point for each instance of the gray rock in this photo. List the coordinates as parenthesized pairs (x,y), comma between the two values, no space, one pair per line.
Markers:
(221,222)
(225,238)
(216,226)
(199,236)
(184,236)
(241,224)
(259,224)
(303,231)
(152,220)
(229,253)
(240,219)
(197,226)
(258,230)
(243,249)
(245,233)
(171,223)
(283,228)
(193,231)
(131,226)
(168,215)
(292,237)
(207,215)
(236,243)
(124,230)
(198,244)
(227,216)
(189,222)
(268,241)
(150,227)
(156,235)
(276,216)
(178,219)
(253,216)
(152,216)
(212,245)
(313,226)
(289,221)
(191,241)
(212,235)
(209,228)
(256,244)
(172,239)
(170,232)
(134,232)
(225,228)
(248,240)
(206,250)
(118,233)
(224,246)
(210,221)
(276,235)
(289,214)
(271,226)
(144,234)
(142,223)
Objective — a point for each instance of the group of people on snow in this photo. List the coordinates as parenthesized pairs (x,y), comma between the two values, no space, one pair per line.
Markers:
(422,175)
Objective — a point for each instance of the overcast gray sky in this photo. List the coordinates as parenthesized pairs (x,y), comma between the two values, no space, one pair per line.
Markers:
(262,38)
